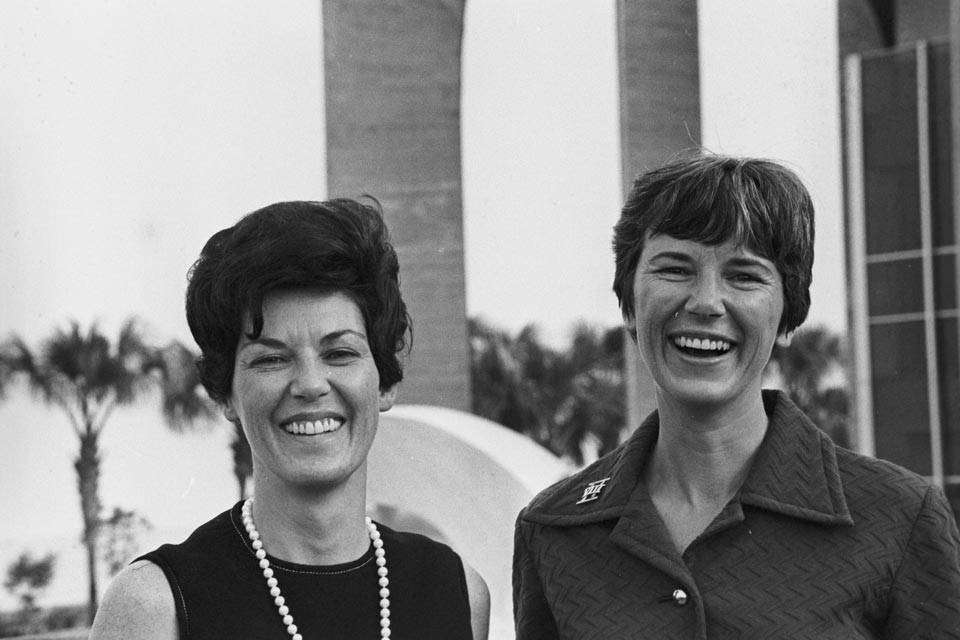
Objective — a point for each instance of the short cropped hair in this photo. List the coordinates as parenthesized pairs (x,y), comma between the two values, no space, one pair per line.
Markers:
(339,245)
(712,199)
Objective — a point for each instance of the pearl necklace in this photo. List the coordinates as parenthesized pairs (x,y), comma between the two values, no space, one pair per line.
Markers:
(274,586)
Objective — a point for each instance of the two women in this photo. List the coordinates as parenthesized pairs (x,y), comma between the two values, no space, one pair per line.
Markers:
(728,514)
(298,315)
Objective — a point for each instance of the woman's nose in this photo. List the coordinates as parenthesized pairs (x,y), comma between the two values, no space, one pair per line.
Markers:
(705,298)
(310,381)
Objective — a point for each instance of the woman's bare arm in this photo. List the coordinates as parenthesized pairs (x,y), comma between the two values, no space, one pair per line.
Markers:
(137,605)
(479,603)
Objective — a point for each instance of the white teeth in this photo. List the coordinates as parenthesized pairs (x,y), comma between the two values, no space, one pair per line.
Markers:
(310,428)
(704,344)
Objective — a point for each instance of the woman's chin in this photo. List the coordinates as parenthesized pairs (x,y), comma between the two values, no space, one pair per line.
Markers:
(701,393)
(318,473)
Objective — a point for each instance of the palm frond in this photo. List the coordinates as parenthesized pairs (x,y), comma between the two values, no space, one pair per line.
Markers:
(183,399)
(17,360)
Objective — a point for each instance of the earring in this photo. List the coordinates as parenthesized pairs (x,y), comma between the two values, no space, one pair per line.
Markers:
(676,315)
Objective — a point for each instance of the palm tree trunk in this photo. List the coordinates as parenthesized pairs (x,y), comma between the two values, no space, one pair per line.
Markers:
(87,465)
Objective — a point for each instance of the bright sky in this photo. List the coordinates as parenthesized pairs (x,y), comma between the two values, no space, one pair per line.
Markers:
(129,132)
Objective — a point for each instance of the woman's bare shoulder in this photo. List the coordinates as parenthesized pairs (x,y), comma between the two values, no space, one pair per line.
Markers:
(138,604)
(479,602)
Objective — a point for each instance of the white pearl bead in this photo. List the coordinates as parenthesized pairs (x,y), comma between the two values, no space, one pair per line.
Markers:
(274,585)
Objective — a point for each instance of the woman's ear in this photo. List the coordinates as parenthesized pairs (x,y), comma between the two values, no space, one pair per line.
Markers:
(784,339)
(229,412)
(388,396)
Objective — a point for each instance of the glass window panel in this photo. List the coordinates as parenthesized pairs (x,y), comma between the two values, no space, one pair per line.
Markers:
(900,413)
(953,495)
(941,173)
(891,178)
(945,281)
(948,366)
(895,287)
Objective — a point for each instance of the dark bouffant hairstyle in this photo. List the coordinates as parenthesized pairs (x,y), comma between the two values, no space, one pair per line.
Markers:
(339,245)
(712,199)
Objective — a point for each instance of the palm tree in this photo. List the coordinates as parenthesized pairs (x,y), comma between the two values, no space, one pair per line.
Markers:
(562,399)
(184,402)
(811,369)
(86,378)
(504,379)
(589,376)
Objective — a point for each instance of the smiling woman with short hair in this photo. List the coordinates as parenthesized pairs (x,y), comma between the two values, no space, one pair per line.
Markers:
(300,322)
(728,514)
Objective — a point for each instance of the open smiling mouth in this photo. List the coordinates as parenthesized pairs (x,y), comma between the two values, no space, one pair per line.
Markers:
(313,427)
(701,347)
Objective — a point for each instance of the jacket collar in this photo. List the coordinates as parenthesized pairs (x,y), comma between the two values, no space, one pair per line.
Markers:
(795,473)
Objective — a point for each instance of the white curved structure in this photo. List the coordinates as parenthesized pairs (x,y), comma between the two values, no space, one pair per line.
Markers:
(460,479)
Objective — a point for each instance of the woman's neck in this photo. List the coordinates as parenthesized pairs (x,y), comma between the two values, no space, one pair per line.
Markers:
(702,456)
(311,525)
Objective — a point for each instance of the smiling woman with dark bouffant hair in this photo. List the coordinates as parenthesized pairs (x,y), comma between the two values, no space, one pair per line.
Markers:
(728,514)
(300,322)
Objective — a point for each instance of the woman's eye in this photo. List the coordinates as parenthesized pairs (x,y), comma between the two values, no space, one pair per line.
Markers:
(674,271)
(340,355)
(269,361)
(745,277)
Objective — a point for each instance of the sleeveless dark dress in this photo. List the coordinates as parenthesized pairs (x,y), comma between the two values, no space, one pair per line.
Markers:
(220,591)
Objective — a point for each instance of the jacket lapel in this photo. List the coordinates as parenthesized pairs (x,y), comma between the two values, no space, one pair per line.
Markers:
(795,472)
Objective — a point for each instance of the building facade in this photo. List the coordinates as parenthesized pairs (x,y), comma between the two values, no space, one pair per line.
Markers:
(659,71)
(392,85)
(902,126)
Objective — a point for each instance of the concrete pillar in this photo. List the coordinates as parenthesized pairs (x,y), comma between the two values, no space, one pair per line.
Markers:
(392,83)
(658,58)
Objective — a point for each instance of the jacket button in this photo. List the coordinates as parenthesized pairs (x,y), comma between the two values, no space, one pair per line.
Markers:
(679,597)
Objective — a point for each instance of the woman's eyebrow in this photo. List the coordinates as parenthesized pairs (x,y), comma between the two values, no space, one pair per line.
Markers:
(670,255)
(342,333)
(747,261)
(274,343)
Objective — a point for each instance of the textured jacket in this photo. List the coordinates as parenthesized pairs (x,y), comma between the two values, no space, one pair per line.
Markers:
(818,543)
